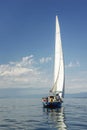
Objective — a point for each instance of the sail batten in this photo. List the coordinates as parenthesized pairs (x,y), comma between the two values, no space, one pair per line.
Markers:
(58,63)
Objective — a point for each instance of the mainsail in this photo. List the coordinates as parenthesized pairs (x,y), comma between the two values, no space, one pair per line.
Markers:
(58,86)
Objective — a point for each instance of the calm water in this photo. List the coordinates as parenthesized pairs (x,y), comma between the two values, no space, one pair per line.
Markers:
(28,114)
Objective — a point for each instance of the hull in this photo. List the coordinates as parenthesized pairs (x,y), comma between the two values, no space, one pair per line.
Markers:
(52,104)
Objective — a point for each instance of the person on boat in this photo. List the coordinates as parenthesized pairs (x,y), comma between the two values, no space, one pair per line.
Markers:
(45,99)
(51,99)
(58,97)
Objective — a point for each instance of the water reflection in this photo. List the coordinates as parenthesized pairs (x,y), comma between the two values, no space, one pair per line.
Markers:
(56,118)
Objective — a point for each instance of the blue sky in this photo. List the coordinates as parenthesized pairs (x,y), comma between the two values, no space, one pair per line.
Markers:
(27,37)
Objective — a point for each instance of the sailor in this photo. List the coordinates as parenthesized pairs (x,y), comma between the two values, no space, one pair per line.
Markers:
(58,97)
(51,98)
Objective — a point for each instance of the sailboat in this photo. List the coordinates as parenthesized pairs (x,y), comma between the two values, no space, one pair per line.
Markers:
(55,98)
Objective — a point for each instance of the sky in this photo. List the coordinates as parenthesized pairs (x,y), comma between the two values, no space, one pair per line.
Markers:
(27,38)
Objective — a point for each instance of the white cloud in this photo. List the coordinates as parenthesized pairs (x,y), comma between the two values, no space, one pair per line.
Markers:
(17,68)
(25,61)
(73,64)
(45,59)
(22,73)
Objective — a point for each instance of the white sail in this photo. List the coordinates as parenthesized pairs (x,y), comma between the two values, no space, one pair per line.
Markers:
(59,64)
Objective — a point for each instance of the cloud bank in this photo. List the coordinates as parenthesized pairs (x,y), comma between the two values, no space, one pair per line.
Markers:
(23,73)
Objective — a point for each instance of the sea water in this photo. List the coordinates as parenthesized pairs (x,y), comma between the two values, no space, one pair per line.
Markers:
(28,114)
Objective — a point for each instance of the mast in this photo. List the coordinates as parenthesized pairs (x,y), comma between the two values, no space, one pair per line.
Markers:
(58,63)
